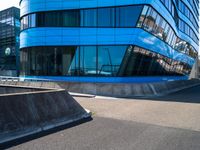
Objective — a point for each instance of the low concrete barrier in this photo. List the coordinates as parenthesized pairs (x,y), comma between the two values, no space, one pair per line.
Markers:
(30,112)
(129,90)
(115,89)
(12,89)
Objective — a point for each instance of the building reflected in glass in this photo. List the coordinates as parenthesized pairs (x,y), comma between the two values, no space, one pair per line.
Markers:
(113,40)
(9,41)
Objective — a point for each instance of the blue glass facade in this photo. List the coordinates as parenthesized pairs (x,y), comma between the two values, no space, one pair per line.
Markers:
(108,41)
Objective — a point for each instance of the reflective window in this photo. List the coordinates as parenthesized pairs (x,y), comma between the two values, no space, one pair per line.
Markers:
(180,45)
(98,61)
(142,62)
(40,20)
(22,23)
(169,4)
(194,6)
(89,18)
(127,16)
(71,18)
(150,20)
(158,30)
(88,60)
(33,20)
(142,16)
(106,17)
(154,23)
(110,59)
(185,28)
(169,35)
(181,25)
(84,62)
(186,11)
(162,31)
(52,19)
(74,69)
(25,22)
(48,60)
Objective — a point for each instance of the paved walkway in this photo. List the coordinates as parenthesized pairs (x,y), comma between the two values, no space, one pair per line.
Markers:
(163,113)
(113,134)
(165,123)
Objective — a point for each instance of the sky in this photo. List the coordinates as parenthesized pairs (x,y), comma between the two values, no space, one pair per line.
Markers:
(8,3)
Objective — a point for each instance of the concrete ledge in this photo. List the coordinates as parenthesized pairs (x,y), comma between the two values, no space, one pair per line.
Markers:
(129,90)
(114,89)
(30,112)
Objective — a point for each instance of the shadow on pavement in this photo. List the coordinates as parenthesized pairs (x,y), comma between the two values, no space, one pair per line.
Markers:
(41,134)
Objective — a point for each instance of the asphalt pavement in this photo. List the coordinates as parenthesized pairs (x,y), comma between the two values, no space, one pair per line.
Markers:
(164,123)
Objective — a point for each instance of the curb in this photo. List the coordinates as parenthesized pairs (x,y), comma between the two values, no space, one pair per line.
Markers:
(88,114)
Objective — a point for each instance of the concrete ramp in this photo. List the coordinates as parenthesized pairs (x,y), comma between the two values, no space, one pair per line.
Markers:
(33,111)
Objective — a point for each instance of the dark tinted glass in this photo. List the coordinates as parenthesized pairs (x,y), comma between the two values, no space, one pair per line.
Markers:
(127,16)
(40,20)
(106,17)
(71,18)
(98,61)
(89,18)
(52,19)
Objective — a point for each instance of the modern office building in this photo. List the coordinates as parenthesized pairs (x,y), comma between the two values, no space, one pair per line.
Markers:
(109,40)
(9,41)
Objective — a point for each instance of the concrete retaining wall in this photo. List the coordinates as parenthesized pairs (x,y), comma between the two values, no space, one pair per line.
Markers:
(32,112)
(129,90)
(116,89)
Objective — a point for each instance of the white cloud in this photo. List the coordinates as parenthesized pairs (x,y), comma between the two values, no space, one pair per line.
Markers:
(4,4)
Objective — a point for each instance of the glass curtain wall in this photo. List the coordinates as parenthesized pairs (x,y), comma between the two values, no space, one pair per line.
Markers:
(117,17)
(9,41)
(155,24)
(104,60)
(116,61)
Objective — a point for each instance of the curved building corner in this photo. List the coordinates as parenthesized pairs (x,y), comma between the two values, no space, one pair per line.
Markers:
(114,41)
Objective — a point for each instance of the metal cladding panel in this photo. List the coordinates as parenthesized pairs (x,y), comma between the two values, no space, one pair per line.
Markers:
(32,37)
(29,6)
(77,36)
(94,36)
(108,79)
